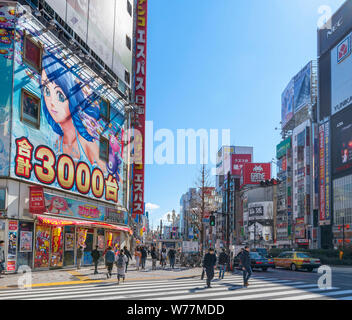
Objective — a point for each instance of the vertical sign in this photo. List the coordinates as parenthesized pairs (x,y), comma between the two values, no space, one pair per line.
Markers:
(36,199)
(12,245)
(140,99)
(321,174)
(327,171)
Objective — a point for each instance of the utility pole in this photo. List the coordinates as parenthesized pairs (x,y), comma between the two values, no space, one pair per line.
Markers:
(228,213)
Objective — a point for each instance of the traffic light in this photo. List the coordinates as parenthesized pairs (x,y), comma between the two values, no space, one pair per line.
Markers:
(272,182)
(212,220)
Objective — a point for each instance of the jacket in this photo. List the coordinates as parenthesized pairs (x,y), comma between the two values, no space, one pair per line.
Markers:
(153,254)
(223,258)
(245,259)
(109,257)
(95,255)
(128,254)
(172,253)
(209,260)
(144,253)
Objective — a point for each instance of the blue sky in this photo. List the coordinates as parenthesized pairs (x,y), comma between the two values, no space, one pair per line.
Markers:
(222,65)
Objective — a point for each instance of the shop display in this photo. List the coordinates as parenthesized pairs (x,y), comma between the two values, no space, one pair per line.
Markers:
(42,247)
(81,237)
(69,241)
(56,247)
(26,239)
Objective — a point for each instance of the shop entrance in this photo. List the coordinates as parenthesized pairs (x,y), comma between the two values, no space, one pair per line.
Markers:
(87,258)
(69,253)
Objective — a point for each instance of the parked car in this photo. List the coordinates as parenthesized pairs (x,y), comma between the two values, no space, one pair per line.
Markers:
(296,260)
(257,262)
(264,253)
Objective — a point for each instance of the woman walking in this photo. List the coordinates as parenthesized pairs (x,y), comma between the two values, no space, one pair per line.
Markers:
(121,261)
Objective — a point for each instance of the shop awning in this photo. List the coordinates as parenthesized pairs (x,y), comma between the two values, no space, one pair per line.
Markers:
(43,219)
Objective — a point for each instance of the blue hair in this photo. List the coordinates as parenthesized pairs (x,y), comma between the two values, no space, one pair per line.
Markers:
(57,72)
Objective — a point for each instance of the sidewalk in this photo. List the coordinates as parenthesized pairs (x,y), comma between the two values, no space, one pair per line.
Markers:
(71,276)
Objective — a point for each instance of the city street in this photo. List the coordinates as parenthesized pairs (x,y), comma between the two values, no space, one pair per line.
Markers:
(179,284)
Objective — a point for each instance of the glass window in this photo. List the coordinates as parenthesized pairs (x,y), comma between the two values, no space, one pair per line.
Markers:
(2,199)
(129,8)
(105,109)
(128,42)
(127,77)
(342,190)
(32,53)
(302,255)
(104,149)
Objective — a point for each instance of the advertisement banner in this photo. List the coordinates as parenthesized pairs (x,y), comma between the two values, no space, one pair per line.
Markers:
(81,237)
(74,139)
(322,174)
(299,228)
(341,75)
(57,247)
(42,247)
(69,241)
(140,99)
(237,162)
(254,173)
(302,88)
(287,103)
(327,172)
(282,147)
(26,240)
(12,245)
(36,199)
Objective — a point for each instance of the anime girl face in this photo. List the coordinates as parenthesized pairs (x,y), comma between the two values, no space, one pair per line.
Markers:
(55,100)
(59,203)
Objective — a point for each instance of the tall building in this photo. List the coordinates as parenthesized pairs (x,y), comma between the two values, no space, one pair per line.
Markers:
(65,168)
(335,121)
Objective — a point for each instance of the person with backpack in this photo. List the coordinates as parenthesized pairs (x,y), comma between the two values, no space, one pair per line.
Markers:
(143,257)
(109,261)
(128,255)
(121,261)
(95,255)
(223,261)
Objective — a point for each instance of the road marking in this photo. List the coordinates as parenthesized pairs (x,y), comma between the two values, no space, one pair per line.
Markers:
(311,296)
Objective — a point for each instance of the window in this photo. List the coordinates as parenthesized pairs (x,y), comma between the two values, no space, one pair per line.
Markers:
(127,77)
(2,199)
(105,110)
(32,53)
(128,42)
(129,8)
(30,108)
(104,149)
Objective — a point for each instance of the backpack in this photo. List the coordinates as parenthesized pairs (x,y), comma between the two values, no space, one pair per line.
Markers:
(120,261)
(110,257)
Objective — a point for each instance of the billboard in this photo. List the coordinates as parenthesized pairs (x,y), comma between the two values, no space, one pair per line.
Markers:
(281,148)
(103,27)
(287,103)
(254,173)
(341,75)
(342,141)
(237,162)
(72,146)
(302,87)
(140,98)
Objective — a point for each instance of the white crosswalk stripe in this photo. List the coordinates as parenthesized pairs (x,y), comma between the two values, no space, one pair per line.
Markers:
(229,288)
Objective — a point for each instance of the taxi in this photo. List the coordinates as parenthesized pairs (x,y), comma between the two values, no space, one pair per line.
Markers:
(294,260)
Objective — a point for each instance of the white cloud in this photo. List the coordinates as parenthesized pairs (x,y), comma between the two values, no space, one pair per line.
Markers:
(151,206)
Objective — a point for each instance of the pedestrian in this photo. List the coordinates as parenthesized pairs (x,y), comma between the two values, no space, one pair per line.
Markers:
(79,257)
(154,256)
(172,255)
(143,257)
(246,265)
(223,261)
(95,255)
(109,261)
(128,255)
(137,256)
(121,261)
(163,257)
(2,257)
(209,263)
(238,258)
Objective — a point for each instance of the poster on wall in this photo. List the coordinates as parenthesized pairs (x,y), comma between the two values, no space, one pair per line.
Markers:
(26,240)
(287,103)
(42,247)
(12,245)
(69,241)
(302,88)
(101,242)
(42,153)
(81,237)
(56,259)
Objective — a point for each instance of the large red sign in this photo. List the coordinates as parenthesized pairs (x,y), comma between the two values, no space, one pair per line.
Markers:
(237,162)
(140,99)
(254,173)
(321,173)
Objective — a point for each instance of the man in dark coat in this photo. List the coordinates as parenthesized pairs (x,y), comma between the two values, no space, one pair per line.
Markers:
(143,257)
(209,263)
(95,255)
(128,255)
(223,262)
(172,255)
(245,260)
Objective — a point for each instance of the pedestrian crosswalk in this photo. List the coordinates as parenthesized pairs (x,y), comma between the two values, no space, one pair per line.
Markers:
(229,288)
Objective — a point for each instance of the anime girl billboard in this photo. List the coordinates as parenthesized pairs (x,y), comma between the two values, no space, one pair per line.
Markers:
(64,150)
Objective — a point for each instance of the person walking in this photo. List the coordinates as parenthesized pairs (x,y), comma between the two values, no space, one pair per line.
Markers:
(137,256)
(121,260)
(163,257)
(95,255)
(143,257)
(237,258)
(128,255)
(246,265)
(209,263)
(2,258)
(172,255)
(79,257)
(109,261)
(154,256)
(223,261)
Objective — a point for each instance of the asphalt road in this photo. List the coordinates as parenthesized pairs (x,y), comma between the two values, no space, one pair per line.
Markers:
(341,276)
